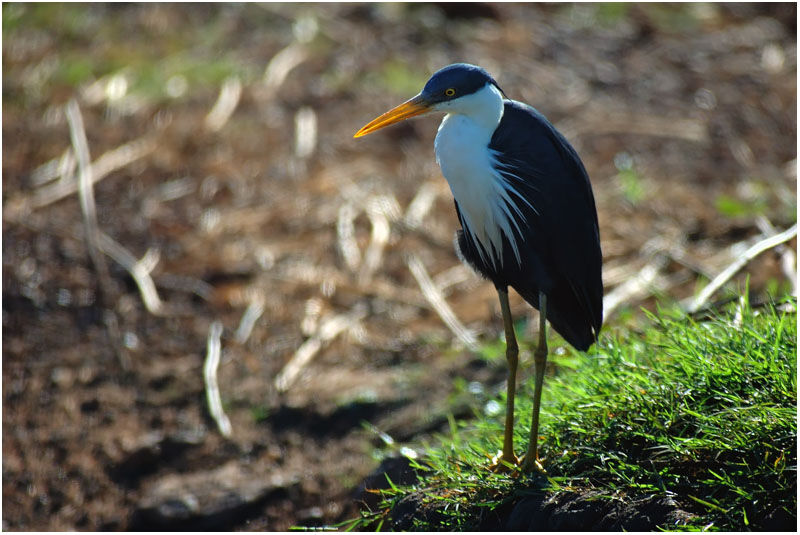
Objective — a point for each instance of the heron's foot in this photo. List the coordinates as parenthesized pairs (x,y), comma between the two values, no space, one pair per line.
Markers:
(502,464)
(532,465)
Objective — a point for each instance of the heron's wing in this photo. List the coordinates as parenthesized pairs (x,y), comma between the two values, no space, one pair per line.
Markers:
(561,228)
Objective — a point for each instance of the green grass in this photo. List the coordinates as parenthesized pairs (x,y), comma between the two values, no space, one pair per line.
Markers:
(702,411)
(731,207)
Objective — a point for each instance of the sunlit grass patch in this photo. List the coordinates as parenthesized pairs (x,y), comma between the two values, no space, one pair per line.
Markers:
(702,412)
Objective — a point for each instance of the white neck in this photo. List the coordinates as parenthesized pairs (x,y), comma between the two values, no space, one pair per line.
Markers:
(462,150)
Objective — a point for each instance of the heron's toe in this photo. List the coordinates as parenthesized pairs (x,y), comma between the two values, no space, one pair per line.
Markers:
(501,464)
(532,465)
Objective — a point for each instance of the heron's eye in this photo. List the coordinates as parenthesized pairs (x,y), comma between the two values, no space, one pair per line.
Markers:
(449,92)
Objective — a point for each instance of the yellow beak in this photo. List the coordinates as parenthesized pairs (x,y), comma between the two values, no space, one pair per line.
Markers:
(410,108)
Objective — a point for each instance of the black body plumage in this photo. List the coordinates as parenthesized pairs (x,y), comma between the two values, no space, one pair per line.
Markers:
(559,240)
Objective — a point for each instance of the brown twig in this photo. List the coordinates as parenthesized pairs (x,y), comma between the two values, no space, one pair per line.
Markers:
(305,132)
(437,301)
(421,205)
(92,230)
(18,207)
(213,353)
(380,210)
(788,256)
(327,330)
(282,64)
(254,311)
(726,274)
(346,236)
(228,99)
(138,269)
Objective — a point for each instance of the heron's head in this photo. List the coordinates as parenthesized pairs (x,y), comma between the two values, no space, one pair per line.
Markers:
(451,89)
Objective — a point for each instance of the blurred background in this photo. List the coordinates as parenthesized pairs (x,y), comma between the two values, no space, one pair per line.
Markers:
(228,192)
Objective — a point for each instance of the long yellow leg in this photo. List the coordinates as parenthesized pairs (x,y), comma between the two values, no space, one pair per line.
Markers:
(512,357)
(531,461)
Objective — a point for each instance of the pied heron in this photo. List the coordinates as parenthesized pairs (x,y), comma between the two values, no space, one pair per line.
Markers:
(527,213)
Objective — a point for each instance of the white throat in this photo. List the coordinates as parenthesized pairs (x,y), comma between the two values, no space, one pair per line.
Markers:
(483,107)
(486,199)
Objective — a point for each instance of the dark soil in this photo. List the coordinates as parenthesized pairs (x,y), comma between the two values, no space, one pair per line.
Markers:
(561,512)
(685,119)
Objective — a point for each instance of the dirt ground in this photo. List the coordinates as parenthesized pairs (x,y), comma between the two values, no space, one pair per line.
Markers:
(220,139)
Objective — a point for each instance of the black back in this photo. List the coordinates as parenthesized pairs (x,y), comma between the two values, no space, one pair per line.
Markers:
(560,239)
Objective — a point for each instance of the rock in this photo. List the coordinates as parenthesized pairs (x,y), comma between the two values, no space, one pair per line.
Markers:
(204,500)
